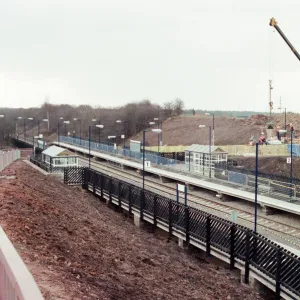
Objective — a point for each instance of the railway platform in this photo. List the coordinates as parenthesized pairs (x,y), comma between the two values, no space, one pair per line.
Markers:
(230,191)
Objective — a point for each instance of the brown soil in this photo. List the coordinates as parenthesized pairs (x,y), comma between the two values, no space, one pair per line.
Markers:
(228,131)
(270,165)
(78,248)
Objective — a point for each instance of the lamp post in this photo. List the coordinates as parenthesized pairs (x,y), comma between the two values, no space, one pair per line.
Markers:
(100,126)
(31,119)
(113,137)
(93,120)
(291,164)
(66,123)
(256,187)
(24,131)
(124,131)
(99,140)
(203,126)
(58,131)
(39,123)
(18,118)
(285,119)
(213,126)
(90,126)
(153,123)
(2,116)
(156,130)
(118,122)
(159,136)
(79,120)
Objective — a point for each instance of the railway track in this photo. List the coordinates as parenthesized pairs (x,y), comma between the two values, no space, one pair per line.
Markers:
(280,231)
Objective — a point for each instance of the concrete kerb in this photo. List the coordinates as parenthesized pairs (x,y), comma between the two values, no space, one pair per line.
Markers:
(36,167)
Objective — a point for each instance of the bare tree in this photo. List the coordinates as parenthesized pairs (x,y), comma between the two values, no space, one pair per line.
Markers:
(178,106)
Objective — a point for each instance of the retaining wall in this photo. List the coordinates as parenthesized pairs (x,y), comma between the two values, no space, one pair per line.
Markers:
(16,282)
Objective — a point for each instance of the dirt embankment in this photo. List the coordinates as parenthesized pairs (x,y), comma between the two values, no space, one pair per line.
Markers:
(77,248)
(270,165)
(228,131)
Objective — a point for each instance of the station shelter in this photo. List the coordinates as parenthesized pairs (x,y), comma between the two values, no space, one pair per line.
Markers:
(204,159)
(56,156)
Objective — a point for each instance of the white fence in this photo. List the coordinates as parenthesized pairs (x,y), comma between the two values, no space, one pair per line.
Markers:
(16,282)
(7,157)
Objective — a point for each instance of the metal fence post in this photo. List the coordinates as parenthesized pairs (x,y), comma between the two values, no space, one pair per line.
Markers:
(110,189)
(278,273)
(154,211)
(65,176)
(170,218)
(101,186)
(247,257)
(142,195)
(82,175)
(94,187)
(119,194)
(232,245)
(129,200)
(187,224)
(208,227)
(51,164)
(85,179)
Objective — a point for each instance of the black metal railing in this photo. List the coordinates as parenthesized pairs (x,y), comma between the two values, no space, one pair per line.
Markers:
(36,159)
(236,241)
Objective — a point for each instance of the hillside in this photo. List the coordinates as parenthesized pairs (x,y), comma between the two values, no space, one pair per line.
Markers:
(77,248)
(228,131)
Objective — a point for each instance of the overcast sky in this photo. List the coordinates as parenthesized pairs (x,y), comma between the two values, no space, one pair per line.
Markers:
(213,54)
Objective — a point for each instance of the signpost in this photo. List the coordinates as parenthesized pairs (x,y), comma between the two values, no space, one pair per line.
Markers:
(288,160)
(181,188)
(234,216)
(147,164)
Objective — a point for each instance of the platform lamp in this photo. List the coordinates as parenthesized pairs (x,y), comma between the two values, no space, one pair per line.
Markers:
(213,126)
(291,162)
(155,130)
(204,126)
(159,136)
(31,119)
(90,126)
(39,123)
(151,124)
(17,118)
(79,120)
(256,187)
(93,120)
(66,123)
(124,131)
(113,137)
(2,117)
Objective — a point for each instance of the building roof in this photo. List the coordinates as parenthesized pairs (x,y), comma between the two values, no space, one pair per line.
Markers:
(54,151)
(204,149)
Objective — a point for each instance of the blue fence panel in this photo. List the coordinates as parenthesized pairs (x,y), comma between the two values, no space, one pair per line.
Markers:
(296,149)
(155,159)
(237,178)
